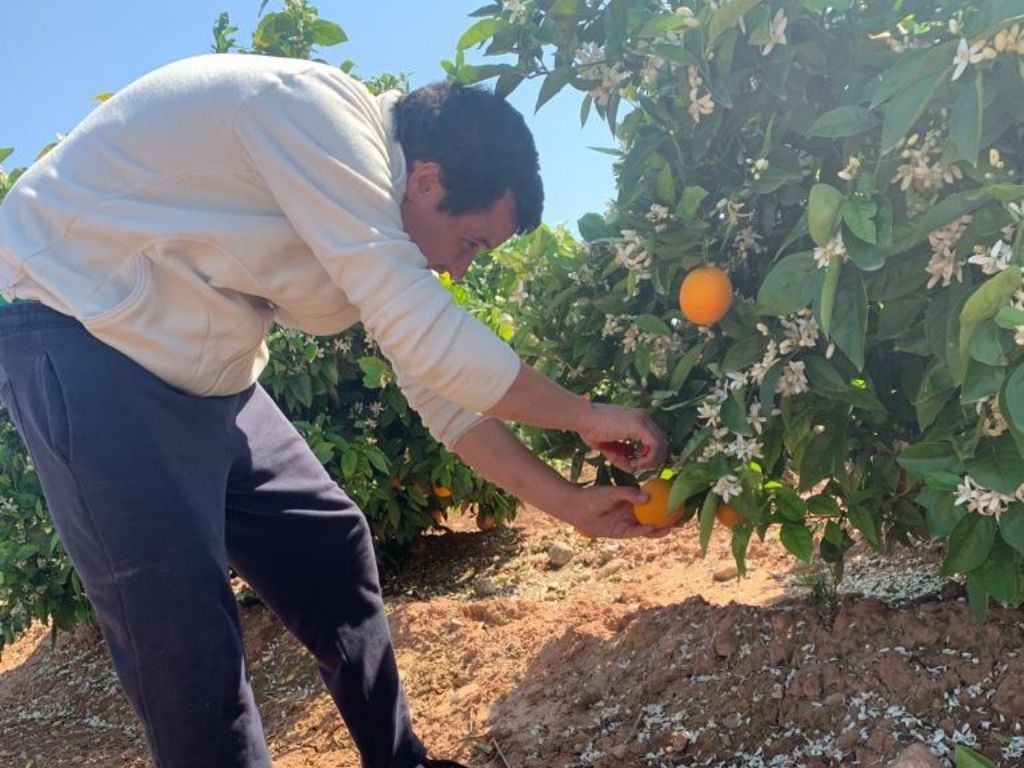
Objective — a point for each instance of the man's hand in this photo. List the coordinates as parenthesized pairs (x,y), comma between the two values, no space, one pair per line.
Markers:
(606,511)
(628,437)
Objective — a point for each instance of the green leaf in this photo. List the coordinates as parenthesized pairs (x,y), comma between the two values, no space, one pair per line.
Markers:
(661,25)
(707,521)
(849,329)
(797,539)
(479,32)
(1011,526)
(942,515)
(997,465)
(688,206)
(685,367)
(902,113)
(728,16)
(665,187)
(864,521)
(1009,317)
(964,757)
(965,121)
(828,293)
(983,305)
(790,505)
(1011,403)
(652,324)
(553,83)
(909,68)
(327,33)
(859,216)
(969,543)
(987,345)
(5,152)
(922,458)
(692,479)
(823,212)
(794,282)
(1000,573)
(844,122)
(349,462)
(980,382)
(743,354)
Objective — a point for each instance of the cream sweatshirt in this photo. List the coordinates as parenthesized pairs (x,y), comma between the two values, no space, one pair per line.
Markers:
(223,193)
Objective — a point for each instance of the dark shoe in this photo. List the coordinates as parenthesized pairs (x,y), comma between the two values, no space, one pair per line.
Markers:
(442,764)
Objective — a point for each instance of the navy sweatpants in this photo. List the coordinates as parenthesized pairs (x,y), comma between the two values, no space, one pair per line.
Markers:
(154,493)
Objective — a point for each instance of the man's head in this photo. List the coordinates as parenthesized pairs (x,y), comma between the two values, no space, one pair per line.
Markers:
(474,177)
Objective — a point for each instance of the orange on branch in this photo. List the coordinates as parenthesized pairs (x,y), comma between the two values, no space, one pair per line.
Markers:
(655,510)
(705,295)
(442,492)
(728,516)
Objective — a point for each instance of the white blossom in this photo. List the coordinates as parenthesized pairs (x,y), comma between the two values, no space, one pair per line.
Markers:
(945,264)
(727,487)
(631,252)
(966,54)
(852,169)
(776,32)
(833,249)
(744,448)
(994,260)
(919,171)
(793,380)
(976,498)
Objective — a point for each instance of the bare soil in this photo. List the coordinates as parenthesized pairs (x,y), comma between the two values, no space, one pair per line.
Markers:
(636,653)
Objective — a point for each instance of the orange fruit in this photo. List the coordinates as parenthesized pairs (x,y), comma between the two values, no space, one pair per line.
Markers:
(705,295)
(728,516)
(441,492)
(485,521)
(396,482)
(655,510)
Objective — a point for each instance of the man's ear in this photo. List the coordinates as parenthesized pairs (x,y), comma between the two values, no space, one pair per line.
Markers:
(424,183)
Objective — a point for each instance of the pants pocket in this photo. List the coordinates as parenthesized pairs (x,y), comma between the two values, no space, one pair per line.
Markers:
(58,426)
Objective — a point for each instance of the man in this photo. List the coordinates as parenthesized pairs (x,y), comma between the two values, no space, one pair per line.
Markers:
(149,253)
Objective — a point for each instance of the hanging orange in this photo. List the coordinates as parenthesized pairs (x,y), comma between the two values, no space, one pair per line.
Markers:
(728,516)
(655,510)
(705,295)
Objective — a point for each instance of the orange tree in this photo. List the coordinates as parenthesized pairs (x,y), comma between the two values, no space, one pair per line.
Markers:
(853,166)
(340,392)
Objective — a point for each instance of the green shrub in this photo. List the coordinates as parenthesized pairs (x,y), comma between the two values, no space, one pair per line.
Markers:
(854,165)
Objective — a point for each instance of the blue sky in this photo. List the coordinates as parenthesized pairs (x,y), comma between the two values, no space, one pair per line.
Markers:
(66,51)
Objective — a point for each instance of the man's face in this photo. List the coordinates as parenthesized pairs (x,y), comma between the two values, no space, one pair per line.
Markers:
(449,242)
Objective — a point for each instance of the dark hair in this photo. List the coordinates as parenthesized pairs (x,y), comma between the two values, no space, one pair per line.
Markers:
(481,143)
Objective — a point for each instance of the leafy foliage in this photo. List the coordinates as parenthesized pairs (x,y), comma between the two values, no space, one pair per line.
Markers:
(855,168)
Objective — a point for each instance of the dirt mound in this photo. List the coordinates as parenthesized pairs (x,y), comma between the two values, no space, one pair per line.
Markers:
(634,653)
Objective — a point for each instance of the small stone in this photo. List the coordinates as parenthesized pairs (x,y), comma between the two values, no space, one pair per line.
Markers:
(725,574)
(916,756)
(777,692)
(484,587)
(733,721)
(725,644)
(679,741)
(835,700)
(618,751)
(612,567)
(559,554)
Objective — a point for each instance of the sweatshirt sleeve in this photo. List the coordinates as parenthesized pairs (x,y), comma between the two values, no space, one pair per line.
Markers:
(318,141)
(445,421)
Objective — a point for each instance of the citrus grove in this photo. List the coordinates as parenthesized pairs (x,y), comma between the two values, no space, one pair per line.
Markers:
(810,276)
(832,189)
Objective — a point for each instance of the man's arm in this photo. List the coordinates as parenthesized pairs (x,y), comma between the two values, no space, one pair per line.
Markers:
(491,449)
(536,400)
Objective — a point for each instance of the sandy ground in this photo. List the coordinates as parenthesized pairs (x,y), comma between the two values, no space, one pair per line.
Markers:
(636,653)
